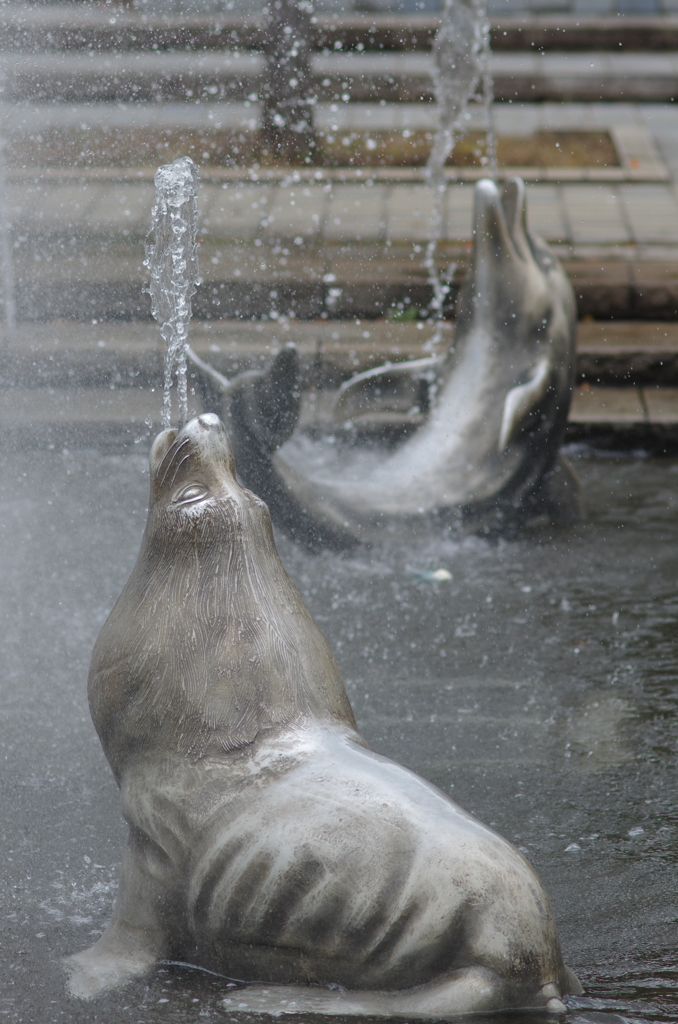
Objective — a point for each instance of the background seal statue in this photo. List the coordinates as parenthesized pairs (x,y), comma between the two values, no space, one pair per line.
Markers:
(487,456)
(266,841)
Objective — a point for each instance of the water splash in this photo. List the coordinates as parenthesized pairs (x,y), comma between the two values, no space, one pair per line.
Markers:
(461,75)
(288,100)
(172,259)
(487,92)
(6,253)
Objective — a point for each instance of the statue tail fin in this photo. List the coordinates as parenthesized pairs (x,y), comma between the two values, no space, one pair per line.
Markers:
(266,403)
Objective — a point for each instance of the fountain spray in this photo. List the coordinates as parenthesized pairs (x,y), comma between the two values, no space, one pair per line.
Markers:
(6,253)
(172,259)
(461,75)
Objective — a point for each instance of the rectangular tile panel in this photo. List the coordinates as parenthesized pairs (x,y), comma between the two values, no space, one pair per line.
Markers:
(296,212)
(409,212)
(594,214)
(545,212)
(459,211)
(652,212)
(662,404)
(54,207)
(234,210)
(125,207)
(606,405)
(356,212)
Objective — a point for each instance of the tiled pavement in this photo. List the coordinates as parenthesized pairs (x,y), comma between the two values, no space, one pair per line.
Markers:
(383,209)
(113,77)
(315,227)
(576,214)
(137,410)
(77,378)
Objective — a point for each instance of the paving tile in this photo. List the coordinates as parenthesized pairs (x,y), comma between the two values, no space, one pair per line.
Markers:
(63,355)
(516,118)
(655,289)
(356,212)
(628,352)
(420,116)
(604,115)
(606,405)
(23,198)
(545,215)
(348,65)
(80,405)
(459,211)
(603,288)
(627,336)
(360,116)
(637,150)
(594,6)
(585,116)
(225,262)
(594,214)
(55,207)
(364,281)
(234,210)
(652,212)
(661,404)
(296,212)
(409,212)
(122,207)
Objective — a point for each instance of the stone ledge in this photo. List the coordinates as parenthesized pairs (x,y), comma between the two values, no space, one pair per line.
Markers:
(123,355)
(85,417)
(184,77)
(82,26)
(320,283)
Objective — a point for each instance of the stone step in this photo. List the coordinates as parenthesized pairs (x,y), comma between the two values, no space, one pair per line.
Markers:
(87,76)
(319,209)
(127,355)
(104,279)
(84,26)
(52,144)
(83,417)
(633,352)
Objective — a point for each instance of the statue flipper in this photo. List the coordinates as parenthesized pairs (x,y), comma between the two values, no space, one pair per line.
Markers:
(559,495)
(135,939)
(521,400)
(264,403)
(356,390)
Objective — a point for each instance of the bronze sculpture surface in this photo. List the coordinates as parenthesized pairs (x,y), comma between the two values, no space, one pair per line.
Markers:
(487,457)
(266,841)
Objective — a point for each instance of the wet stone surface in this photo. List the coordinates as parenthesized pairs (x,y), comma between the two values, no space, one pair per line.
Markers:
(537,687)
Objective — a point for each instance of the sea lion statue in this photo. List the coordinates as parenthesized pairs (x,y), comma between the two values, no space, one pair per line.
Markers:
(266,841)
(486,458)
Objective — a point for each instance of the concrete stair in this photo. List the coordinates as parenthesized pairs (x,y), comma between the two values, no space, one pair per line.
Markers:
(321,247)
(41,27)
(206,75)
(79,53)
(60,353)
(74,374)
(322,256)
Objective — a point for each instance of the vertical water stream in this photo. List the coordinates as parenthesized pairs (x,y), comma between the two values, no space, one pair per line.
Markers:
(172,259)
(461,74)
(487,91)
(6,253)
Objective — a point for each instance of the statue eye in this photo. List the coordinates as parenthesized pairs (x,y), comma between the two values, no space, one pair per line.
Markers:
(194,492)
